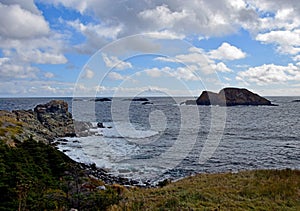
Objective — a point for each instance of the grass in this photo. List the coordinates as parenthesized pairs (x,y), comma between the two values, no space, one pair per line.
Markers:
(10,128)
(248,190)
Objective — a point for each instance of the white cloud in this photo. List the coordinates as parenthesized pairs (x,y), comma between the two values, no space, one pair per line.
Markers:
(200,60)
(10,70)
(171,19)
(270,73)
(153,72)
(227,52)
(114,62)
(91,30)
(296,58)
(35,88)
(116,76)
(41,50)
(186,73)
(96,35)
(205,18)
(287,41)
(276,14)
(166,35)
(221,67)
(26,39)
(18,23)
(162,16)
(88,73)
(49,75)
(4,60)
(39,57)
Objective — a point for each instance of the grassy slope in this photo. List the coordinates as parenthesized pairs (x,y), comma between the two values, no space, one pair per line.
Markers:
(249,190)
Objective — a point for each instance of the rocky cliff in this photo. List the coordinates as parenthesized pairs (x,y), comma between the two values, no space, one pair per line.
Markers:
(231,97)
(44,123)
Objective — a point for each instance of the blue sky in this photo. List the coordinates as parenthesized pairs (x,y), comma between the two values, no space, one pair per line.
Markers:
(122,47)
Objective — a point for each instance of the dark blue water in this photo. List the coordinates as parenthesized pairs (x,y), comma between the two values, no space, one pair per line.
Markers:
(258,137)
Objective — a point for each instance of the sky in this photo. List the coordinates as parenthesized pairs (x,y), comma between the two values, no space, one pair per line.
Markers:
(159,47)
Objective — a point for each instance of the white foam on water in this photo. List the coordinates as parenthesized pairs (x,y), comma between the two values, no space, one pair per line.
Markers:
(119,130)
(97,149)
(111,151)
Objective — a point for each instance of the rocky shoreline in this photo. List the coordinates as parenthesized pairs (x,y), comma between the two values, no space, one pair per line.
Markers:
(49,123)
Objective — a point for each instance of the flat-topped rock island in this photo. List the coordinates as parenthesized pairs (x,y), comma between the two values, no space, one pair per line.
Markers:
(230,97)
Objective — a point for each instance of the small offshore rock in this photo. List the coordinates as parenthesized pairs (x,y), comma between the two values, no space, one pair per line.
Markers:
(100,125)
(102,99)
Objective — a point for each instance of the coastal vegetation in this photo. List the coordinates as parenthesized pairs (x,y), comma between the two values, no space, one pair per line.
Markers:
(34,175)
(246,190)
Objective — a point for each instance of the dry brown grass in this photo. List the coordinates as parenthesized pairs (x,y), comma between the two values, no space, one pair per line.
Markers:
(248,190)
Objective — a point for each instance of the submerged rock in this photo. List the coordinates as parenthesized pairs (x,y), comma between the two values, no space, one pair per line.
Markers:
(232,97)
(100,125)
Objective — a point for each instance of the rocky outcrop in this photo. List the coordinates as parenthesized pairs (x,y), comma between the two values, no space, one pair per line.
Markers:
(231,97)
(44,123)
(56,118)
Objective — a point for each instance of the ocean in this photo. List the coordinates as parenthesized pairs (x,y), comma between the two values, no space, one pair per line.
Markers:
(165,139)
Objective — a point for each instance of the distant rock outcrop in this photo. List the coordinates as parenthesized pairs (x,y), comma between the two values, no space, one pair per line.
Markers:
(147,103)
(231,97)
(102,100)
(141,99)
(44,123)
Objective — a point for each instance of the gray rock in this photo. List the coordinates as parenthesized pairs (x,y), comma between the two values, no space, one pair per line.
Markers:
(232,97)
(56,118)
(44,123)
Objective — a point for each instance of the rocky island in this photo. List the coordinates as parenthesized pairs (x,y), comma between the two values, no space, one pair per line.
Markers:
(230,97)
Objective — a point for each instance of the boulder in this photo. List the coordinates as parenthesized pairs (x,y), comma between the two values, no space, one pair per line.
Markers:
(232,97)
(56,118)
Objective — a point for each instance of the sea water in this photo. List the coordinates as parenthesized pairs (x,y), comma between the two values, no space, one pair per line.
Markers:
(166,139)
